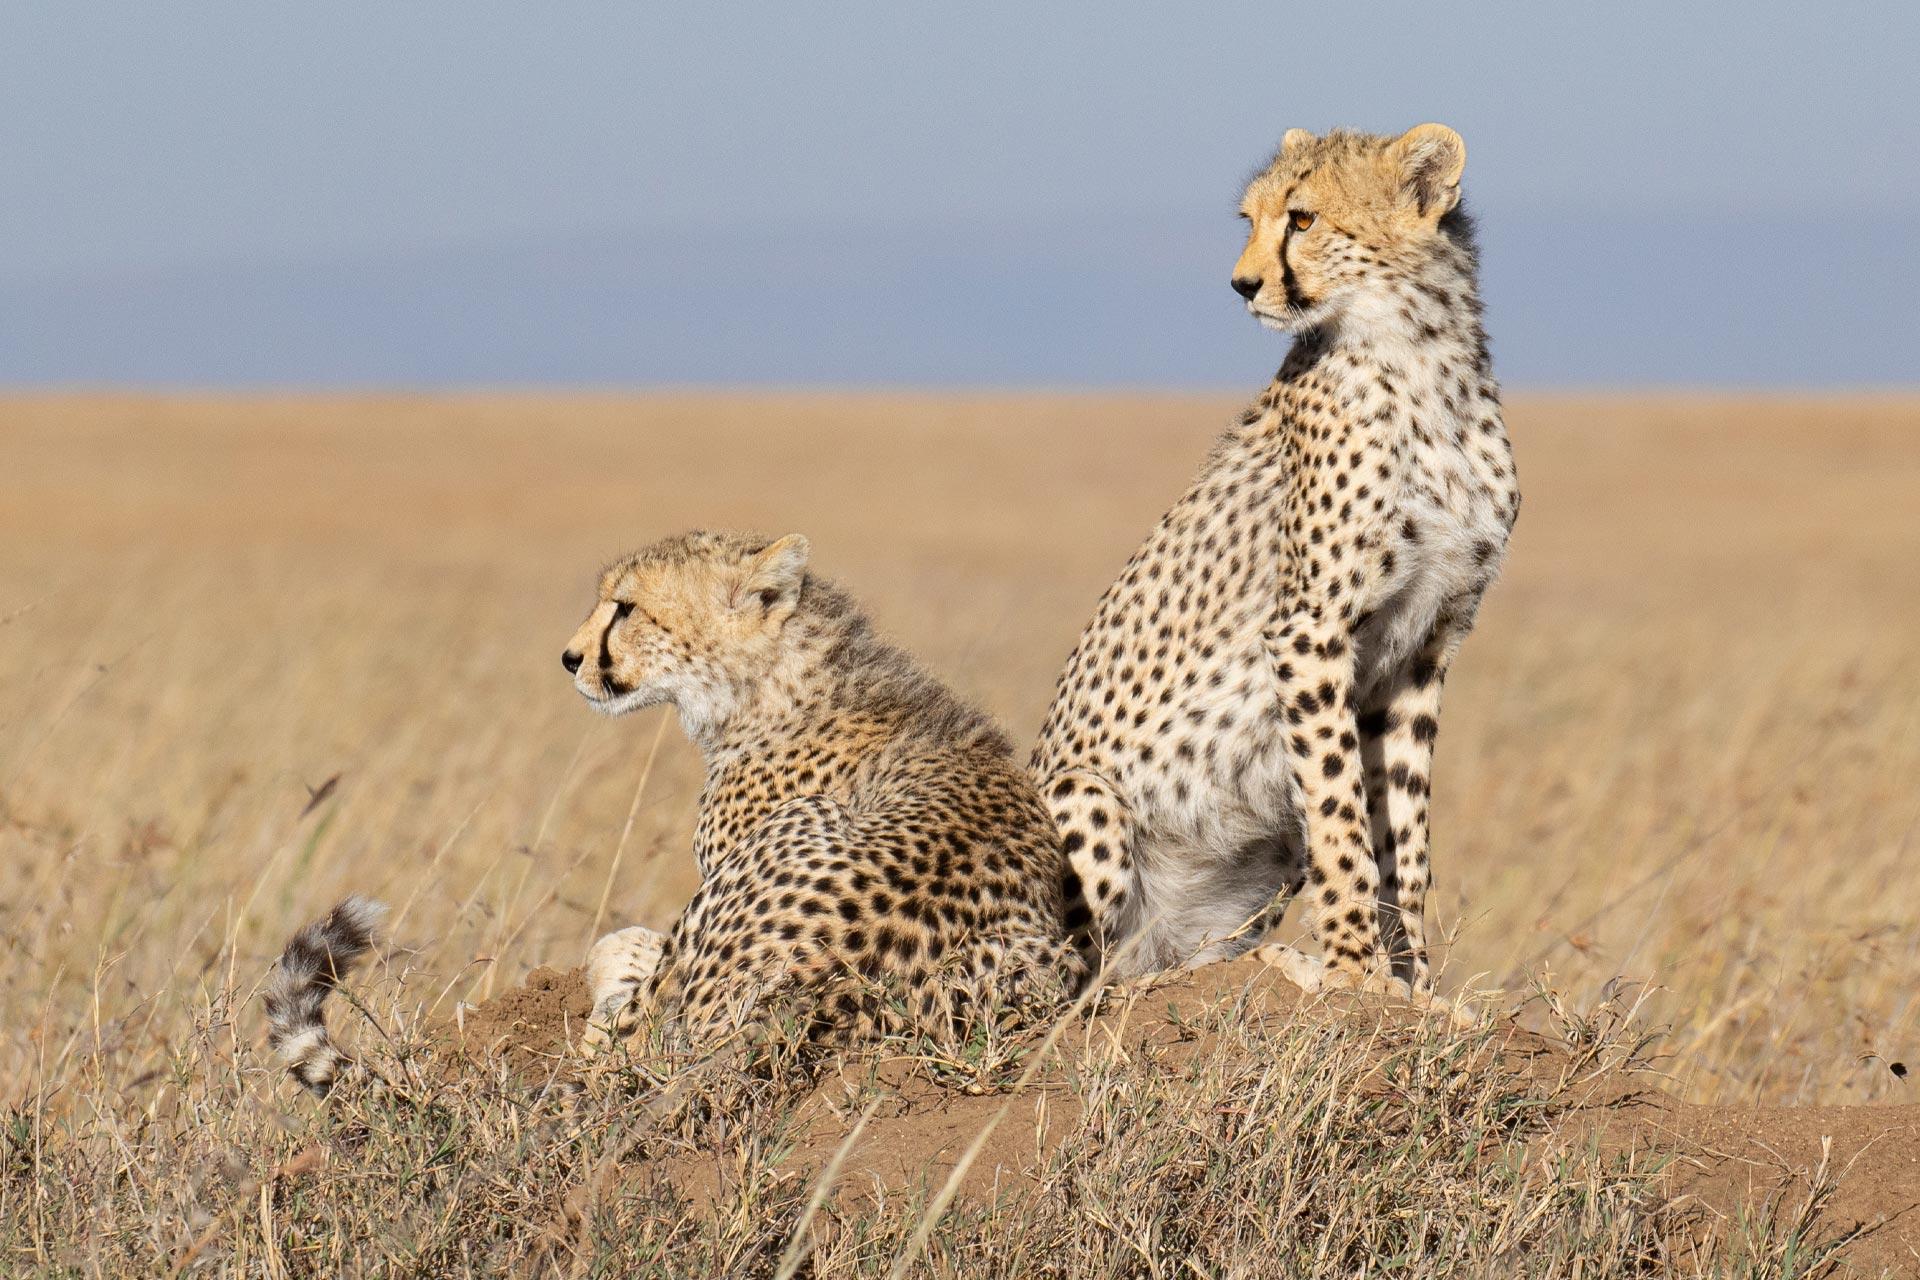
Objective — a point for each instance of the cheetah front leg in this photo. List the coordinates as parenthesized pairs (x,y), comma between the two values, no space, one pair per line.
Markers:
(1397,739)
(1313,663)
(620,969)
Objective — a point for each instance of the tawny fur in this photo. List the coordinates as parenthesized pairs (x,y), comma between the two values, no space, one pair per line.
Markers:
(1253,707)
(859,821)
(317,958)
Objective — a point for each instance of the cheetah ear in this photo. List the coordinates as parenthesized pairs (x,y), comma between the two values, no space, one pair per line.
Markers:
(1295,139)
(774,575)
(1431,159)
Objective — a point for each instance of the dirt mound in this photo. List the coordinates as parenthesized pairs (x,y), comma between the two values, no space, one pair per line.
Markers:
(529,1026)
(1727,1160)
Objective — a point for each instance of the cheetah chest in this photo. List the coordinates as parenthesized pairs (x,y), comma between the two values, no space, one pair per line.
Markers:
(1184,696)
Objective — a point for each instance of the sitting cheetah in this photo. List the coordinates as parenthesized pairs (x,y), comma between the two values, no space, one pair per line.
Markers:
(1254,705)
(858,820)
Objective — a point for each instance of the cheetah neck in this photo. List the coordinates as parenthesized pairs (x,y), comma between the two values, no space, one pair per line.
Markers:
(1416,343)
(729,720)
(834,678)
(706,715)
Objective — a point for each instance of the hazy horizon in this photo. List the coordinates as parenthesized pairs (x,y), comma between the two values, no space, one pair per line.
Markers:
(474,196)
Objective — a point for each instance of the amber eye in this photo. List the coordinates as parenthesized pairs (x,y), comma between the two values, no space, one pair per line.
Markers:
(1301,219)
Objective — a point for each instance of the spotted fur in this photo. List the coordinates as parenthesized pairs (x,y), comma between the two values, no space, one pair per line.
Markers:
(861,826)
(316,959)
(1253,708)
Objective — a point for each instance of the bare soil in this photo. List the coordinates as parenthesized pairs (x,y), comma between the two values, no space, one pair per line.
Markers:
(1727,1160)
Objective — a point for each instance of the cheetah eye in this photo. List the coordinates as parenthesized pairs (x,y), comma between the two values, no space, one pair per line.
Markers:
(621,608)
(1301,219)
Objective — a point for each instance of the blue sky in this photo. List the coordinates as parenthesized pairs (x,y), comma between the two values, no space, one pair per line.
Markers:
(437,193)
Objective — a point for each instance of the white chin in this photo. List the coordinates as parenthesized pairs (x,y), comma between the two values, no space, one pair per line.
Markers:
(620,704)
(1292,320)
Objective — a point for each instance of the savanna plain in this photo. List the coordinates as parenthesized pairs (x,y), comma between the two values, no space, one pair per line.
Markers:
(256,654)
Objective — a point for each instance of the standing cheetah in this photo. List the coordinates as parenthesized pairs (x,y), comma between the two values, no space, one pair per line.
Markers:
(859,821)
(1254,705)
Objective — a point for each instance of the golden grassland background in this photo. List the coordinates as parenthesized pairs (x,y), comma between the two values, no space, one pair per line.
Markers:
(1681,747)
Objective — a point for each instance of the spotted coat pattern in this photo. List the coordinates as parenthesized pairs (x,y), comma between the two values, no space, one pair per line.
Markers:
(861,828)
(1252,709)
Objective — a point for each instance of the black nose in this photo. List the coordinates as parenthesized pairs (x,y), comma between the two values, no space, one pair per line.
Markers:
(1246,286)
(571,661)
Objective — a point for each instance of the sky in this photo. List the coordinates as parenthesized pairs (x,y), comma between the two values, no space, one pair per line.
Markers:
(435,194)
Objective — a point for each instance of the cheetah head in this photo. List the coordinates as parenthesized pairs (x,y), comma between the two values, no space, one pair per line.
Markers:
(694,620)
(1339,226)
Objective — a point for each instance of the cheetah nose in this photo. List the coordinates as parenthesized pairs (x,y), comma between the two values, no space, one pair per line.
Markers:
(571,661)
(1246,286)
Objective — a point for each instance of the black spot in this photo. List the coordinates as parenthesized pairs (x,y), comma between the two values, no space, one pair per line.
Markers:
(1425,727)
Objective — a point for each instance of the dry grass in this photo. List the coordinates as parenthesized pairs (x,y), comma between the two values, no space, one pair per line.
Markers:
(1679,751)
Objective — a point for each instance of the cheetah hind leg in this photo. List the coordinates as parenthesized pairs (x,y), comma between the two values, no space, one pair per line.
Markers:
(1097,878)
(620,970)
(1313,976)
(1310,973)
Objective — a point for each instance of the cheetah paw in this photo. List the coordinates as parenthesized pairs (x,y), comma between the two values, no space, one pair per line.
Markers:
(1313,976)
(1373,982)
(619,968)
(1296,966)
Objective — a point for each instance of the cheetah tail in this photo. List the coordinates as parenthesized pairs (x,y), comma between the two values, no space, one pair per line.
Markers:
(310,968)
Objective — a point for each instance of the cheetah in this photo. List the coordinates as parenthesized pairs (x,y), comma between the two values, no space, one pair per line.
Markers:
(859,821)
(1252,710)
